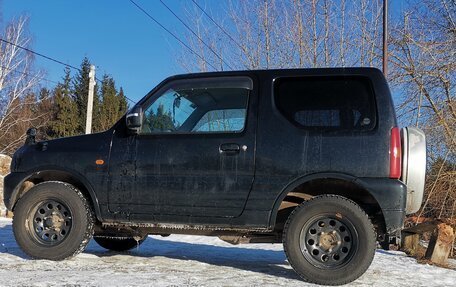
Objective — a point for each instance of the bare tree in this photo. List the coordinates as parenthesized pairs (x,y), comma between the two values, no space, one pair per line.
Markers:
(17,82)
(423,57)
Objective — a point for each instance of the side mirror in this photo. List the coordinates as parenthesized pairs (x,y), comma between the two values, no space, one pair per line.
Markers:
(134,119)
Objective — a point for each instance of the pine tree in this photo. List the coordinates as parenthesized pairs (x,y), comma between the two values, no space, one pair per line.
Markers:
(113,104)
(45,112)
(109,107)
(65,121)
(69,101)
(123,104)
(44,95)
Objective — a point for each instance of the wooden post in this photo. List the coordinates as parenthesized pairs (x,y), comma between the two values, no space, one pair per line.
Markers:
(410,243)
(440,244)
(385,37)
(92,82)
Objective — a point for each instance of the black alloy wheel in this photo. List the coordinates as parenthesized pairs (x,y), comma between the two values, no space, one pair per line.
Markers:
(329,240)
(53,220)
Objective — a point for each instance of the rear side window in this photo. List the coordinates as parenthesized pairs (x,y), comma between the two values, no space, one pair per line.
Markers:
(327,102)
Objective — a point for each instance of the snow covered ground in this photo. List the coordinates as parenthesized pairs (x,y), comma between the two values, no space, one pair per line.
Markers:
(180,260)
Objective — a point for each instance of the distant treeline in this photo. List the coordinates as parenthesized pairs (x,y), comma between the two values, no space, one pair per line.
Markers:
(68,104)
(61,111)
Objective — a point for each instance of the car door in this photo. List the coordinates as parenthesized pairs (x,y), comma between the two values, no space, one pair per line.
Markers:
(195,152)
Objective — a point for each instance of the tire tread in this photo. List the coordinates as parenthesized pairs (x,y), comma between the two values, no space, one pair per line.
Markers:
(303,205)
(88,233)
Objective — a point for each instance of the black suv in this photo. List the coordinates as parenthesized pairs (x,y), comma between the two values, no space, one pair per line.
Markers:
(312,158)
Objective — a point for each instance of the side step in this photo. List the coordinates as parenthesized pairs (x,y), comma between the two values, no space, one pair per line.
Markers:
(242,239)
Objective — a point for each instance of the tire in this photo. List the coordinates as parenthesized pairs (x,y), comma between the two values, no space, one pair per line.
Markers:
(53,220)
(118,244)
(329,240)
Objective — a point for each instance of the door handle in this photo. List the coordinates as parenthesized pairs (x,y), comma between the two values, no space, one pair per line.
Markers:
(229,148)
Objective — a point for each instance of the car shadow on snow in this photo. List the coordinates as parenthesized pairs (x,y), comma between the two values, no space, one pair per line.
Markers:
(8,243)
(270,262)
(386,252)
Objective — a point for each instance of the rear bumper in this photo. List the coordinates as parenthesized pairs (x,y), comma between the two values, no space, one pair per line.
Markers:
(391,195)
(11,183)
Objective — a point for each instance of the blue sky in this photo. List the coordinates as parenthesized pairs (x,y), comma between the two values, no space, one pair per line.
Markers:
(115,35)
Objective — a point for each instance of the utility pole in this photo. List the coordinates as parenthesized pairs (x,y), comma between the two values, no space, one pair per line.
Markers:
(90,100)
(385,37)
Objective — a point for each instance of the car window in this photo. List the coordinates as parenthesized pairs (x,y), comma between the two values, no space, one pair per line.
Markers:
(327,102)
(197,106)
(231,120)
(167,113)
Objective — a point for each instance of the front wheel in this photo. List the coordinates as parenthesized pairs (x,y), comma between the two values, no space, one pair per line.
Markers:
(329,240)
(53,220)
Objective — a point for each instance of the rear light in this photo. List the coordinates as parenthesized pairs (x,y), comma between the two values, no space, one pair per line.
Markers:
(395,153)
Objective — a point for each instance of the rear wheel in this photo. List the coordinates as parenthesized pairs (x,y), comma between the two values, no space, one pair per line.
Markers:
(329,240)
(53,220)
(118,243)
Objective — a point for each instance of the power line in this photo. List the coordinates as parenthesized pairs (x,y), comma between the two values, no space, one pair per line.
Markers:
(196,35)
(134,102)
(27,74)
(42,55)
(39,54)
(219,26)
(48,58)
(172,34)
